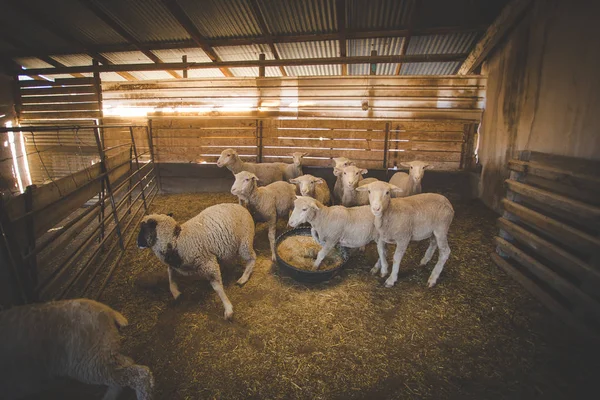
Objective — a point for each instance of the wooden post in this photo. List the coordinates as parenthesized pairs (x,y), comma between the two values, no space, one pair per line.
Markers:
(259,127)
(30,231)
(98,89)
(261,68)
(385,146)
(185,71)
(373,67)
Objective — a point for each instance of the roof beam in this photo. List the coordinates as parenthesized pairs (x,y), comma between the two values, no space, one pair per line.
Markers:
(117,27)
(412,17)
(251,63)
(260,20)
(41,20)
(340,11)
(509,16)
(187,24)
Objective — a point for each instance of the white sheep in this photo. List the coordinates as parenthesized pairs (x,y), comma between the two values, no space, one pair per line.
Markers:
(351,179)
(410,183)
(293,170)
(77,339)
(398,221)
(314,187)
(338,189)
(350,227)
(266,172)
(220,232)
(267,203)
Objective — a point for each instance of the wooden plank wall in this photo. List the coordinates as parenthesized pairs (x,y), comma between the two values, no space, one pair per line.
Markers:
(549,236)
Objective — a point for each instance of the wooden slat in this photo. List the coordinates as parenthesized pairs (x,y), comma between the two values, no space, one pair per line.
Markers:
(204,132)
(429,136)
(202,123)
(563,233)
(423,156)
(329,134)
(352,154)
(60,107)
(203,142)
(83,98)
(577,180)
(58,82)
(414,145)
(575,207)
(564,287)
(60,115)
(587,196)
(419,126)
(52,91)
(332,124)
(354,144)
(307,161)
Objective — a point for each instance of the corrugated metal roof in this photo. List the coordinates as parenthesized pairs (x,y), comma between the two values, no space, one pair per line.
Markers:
(430,68)
(23,28)
(205,73)
(73,60)
(147,20)
(152,75)
(377,14)
(222,19)
(442,44)
(299,16)
(111,77)
(32,62)
(128,57)
(253,72)
(363,47)
(239,53)
(320,49)
(174,55)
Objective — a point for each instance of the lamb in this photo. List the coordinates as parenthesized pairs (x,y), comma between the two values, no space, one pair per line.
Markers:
(410,183)
(314,187)
(266,172)
(351,179)
(350,227)
(401,220)
(293,170)
(338,189)
(69,338)
(220,232)
(267,203)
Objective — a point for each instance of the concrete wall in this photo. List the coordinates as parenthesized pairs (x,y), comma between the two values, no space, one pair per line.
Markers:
(543,90)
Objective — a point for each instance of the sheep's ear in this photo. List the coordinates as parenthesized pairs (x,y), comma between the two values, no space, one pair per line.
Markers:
(429,166)
(364,171)
(298,197)
(318,180)
(362,188)
(396,189)
(255,178)
(294,180)
(351,163)
(304,154)
(337,171)
(405,164)
(170,214)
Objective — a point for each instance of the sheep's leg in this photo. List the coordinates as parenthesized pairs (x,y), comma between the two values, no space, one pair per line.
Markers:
(112,393)
(173,285)
(247,253)
(382,251)
(430,250)
(272,232)
(398,254)
(217,285)
(326,249)
(315,236)
(377,267)
(444,253)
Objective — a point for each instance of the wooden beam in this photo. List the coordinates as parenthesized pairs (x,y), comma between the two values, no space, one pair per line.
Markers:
(411,23)
(260,20)
(187,24)
(249,63)
(496,31)
(117,27)
(340,11)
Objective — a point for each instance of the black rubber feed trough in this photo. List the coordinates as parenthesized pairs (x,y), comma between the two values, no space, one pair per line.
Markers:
(302,275)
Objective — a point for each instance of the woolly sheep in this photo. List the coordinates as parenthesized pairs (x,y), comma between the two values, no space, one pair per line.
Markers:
(220,232)
(267,203)
(338,189)
(266,172)
(314,187)
(293,170)
(410,183)
(401,220)
(350,227)
(77,339)
(351,179)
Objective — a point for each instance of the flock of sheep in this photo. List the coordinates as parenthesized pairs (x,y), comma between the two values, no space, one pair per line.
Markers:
(81,336)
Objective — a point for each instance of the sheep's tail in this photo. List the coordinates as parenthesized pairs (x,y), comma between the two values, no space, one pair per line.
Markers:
(120,320)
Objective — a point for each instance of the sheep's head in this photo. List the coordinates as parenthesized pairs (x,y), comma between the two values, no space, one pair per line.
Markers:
(304,210)
(228,157)
(351,175)
(297,156)
(416,169)
(342,162)
(155,225)
(245,183)
(307,184)
(379,195)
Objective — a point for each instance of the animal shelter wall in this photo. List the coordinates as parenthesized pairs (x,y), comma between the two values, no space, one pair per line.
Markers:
(543,91)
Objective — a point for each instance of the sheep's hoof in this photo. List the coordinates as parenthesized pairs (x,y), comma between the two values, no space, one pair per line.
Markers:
(389,283)
(423,262)
(383,273)
(431,282)
(229,315)
(242,281)
(176,294)
(374,270)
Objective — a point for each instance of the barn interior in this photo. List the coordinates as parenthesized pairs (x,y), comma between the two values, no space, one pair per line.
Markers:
(113,110)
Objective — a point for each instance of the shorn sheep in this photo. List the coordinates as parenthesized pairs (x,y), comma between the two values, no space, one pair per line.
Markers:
(350,227)
(338,189)
(266,172)
(267,203)
(314,187)
(351,179)
(293,170)
(398,221)
(410,183)
(220,232)
(77,339)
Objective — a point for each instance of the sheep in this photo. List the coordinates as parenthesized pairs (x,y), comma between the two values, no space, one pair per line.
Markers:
(401,220)
(351,179)
(70,338)
(293,170)
(350,227)
(267,203)
(314,187)
(266,172)
(410,183)
(220,232)
(338,189)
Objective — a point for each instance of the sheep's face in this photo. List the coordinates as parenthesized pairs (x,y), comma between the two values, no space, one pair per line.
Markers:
(351,175)
(342,162)
(307,184)
(379,195)
(416,169)
(228,157)
(304,211)
(244,184)
(147,236)
(297,156)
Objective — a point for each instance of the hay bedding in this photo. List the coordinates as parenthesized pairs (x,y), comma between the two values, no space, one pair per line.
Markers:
(476,335)
(301,252)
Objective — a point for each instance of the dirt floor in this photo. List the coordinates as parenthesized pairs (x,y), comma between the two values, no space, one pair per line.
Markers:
(476,335)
